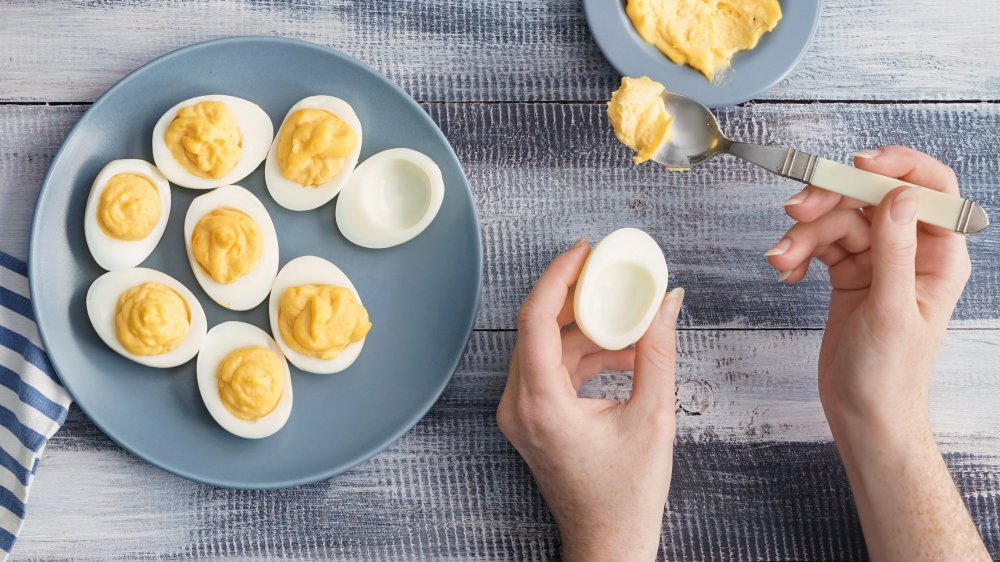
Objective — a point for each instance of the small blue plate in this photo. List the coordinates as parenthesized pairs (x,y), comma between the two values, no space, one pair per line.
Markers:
(422,295)
(754,71)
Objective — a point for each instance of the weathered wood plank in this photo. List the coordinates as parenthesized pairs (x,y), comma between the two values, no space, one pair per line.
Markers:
(467,51)
(545,174)
(454,489)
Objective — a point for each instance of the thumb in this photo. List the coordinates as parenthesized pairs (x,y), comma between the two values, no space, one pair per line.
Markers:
(894,249)
(656,357)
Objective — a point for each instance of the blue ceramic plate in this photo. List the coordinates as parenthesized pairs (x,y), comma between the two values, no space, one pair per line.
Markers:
(752,72)
(422,295)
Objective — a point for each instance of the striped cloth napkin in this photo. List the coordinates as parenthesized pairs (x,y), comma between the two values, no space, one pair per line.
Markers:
(33,404)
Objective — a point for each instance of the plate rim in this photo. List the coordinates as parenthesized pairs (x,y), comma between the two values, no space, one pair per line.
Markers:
(736,100)
(33,258)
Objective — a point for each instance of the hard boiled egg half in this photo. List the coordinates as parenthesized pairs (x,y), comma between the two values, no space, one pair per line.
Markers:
(126,213)
(211,141)
(232,247)
(146,316)
(314,153)
(244,380)
(316,316)
(390,198)
(620,288)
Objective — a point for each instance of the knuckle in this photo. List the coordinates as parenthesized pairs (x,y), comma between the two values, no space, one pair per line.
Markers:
(525,315)
(505,421)
(900,252)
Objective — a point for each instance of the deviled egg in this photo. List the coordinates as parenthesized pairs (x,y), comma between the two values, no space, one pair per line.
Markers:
(211,141)
(244,380)
(620,288)
(126,213)
(232,247)
(146,316)
(314,152)
(316,316)
(390,198)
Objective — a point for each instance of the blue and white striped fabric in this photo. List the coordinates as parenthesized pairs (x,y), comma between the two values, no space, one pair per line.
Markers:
(33,404)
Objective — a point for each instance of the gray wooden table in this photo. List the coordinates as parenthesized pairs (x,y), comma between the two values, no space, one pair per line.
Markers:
(519,90)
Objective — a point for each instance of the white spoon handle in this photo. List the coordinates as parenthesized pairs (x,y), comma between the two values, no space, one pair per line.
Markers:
(940,209)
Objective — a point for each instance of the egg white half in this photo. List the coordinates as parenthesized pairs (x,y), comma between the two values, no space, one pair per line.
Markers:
(102,299)
(620,288)
(390,198)
(112,253)
(252,288)
(294,196)
(220,341)
(256,130)
(311,270)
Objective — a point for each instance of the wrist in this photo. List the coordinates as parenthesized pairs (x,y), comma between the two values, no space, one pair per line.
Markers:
(611,541)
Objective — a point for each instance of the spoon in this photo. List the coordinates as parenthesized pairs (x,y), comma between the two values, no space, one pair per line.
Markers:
(697,138)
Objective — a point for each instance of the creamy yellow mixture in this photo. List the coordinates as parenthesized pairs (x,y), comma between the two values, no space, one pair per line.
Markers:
(250,382)
(639,117)
(226,243)
(205,140)
(313,146)
(129,207)
(321,320)
(704,34)
(151,319)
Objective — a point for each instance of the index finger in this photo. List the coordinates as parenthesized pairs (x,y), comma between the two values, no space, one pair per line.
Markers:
(539,334)
(910,166)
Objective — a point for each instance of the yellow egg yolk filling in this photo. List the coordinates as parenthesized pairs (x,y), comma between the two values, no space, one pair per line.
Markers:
(250,382)
(205,140)
(321,320)
(639,116)
(129,207)
(151,319)
(226,243)
(313,146)
(704,34)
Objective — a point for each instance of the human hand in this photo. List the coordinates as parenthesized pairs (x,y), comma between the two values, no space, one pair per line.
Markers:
(603,467)
(895,284)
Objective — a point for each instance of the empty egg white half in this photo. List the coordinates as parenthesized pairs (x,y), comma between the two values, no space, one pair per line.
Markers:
(219,343)
(620,288)
(311,270)
(102,301)
(390,198)
(109,252)
(252,288)
(294,196)
(256,131)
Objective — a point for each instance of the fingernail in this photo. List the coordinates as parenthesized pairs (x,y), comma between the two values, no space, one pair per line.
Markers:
(797,198)
(672,305)
(867,154)
(780,248)
(782,275)
(904,207)
(581,242)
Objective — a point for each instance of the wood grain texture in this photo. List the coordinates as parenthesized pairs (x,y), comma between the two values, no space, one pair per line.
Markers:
(440,50)
(562,175)
(454,489)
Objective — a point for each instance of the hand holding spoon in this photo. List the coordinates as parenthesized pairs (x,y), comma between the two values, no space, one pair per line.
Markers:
(697,138)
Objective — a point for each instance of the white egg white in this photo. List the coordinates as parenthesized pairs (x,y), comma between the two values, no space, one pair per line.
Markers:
(252,288)
(620,288)
(390,198)
(112,253)
(311,270)
(102,300)
(294,196)
(222,340)
(256,130)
